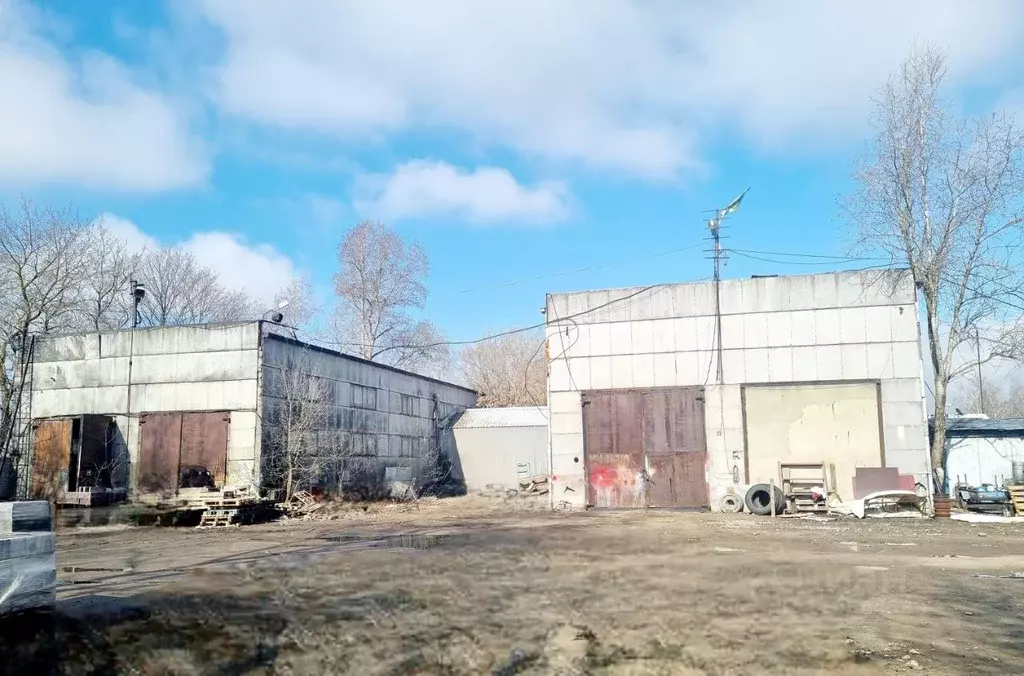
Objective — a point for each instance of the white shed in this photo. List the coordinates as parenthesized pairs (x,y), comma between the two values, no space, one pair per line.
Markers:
(983,450)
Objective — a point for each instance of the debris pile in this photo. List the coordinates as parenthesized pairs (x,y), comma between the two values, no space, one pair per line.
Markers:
(301,505)
(535,485)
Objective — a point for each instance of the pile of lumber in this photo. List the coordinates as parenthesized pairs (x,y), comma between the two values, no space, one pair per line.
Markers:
(302,503)
(28,569)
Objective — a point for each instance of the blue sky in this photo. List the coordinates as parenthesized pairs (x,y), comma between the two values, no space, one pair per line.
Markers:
(513,139)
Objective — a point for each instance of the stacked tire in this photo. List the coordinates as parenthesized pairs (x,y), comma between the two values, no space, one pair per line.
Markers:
(759,499)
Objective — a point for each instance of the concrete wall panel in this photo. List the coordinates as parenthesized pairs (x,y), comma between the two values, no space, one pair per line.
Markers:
(665,370)
(780,329)
(803,328)
(780,365)
(622,371)
(643,370)
(755,366)
(805,364)
(854,359)
(755,330)
(664,337)
(600,374)
(826,327)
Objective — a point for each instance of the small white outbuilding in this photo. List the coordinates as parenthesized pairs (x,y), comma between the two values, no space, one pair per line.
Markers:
(496,447)
(984,450)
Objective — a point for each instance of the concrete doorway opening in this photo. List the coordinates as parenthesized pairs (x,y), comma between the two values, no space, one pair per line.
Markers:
(829,423)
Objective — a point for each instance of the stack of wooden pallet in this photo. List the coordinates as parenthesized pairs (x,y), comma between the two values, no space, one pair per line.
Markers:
(229,507)
(1017,498)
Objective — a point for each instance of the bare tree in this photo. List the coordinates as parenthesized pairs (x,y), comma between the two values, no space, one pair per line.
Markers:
(380,279)
(302,309)
(941,193)
(42,262)
(181,290)
(104,293)
(1002,399)
(507,371)
(298,411)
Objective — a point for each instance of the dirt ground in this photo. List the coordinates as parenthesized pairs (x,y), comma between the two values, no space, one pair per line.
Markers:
(468,586)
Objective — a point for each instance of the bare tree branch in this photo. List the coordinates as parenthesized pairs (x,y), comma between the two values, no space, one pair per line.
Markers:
(943,193)
(380,279)
(507,371)
(180,290)
(43,259)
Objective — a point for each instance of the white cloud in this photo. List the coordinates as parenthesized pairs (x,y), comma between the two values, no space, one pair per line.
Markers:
(258,269)
(128,232)
(424,188)
(628,84)
(84,120)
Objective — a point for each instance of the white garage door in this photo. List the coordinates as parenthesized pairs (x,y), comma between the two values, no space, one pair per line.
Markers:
(813,424)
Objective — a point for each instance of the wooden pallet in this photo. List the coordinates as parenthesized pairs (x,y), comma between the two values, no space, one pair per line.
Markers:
(219,517)
(229,502)
(1017,498)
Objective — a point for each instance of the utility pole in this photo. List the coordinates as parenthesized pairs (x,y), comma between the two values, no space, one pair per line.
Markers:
(981,386)
(715,226)
(138,292)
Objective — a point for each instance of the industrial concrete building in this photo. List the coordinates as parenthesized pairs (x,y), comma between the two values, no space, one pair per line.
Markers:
(156,409)
(499,447)
(814,369)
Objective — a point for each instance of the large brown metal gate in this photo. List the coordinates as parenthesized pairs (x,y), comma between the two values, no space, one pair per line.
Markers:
(51,458)
(645,448)
(175,442)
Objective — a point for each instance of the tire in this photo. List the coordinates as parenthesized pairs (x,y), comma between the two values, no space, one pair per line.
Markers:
(730,504)
(758,500)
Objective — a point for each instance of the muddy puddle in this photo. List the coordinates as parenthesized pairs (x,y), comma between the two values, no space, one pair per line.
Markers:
(417,541)
(123,515)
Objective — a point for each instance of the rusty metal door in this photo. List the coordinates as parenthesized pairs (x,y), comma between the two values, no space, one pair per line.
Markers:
(645,448)
(675,448)
(204,443)
(160,437)
(51,455)
(614,442)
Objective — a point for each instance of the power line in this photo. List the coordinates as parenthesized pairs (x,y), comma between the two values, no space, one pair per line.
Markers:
(834,261)
(808,255)
(510,332)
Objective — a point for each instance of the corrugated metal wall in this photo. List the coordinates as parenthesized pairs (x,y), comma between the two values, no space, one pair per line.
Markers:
(381,423)
(498,456)
(979,460)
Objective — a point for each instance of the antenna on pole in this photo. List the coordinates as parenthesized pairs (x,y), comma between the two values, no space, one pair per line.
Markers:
(715,226)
